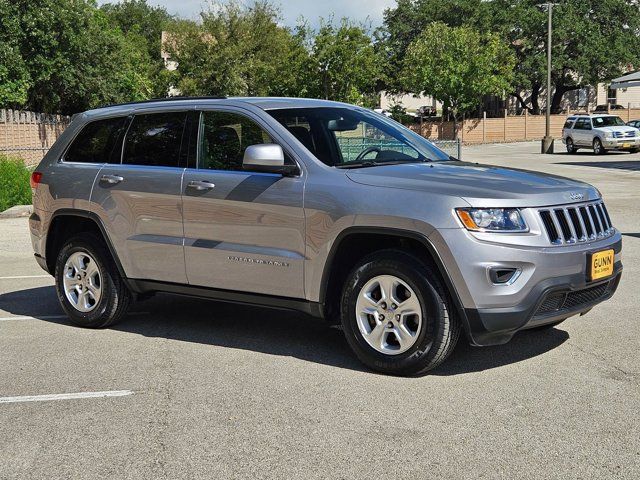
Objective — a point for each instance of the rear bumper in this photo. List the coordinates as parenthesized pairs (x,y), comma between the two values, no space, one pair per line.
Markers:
(550,301)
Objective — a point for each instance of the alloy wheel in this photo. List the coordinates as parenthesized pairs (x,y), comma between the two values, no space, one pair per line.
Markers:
(389,314)
(82,282)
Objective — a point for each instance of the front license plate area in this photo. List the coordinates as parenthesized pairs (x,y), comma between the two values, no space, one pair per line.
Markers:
(600,265)
(626,145)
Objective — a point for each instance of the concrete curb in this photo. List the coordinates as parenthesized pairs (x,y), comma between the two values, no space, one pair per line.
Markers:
(17,211)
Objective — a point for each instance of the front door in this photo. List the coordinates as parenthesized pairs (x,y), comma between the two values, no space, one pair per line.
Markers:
(243,230)
(139,200)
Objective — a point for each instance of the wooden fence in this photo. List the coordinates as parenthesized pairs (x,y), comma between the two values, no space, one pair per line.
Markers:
(508,128)
(28,135)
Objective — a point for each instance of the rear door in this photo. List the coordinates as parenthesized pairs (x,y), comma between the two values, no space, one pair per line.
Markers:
(243,230)
(140,201)
(578,132)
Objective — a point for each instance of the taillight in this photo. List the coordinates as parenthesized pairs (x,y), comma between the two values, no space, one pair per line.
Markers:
(35,179)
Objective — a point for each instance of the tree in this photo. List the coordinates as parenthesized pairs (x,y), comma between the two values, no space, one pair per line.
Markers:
(237,50)
(348,65)
(14,76)
(593,40)
(64,56)
(458,66)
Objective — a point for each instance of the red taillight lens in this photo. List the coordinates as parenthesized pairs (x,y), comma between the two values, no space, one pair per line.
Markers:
(35,179)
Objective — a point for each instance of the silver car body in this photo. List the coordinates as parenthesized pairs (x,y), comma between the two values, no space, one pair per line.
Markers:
(618,137)
(272,239)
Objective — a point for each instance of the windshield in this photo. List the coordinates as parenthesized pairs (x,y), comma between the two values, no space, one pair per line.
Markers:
(607,122)
(344,137)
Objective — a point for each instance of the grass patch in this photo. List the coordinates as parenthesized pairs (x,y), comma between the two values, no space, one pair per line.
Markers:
(14,183)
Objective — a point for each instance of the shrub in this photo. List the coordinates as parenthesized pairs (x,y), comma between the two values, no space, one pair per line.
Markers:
(14,183)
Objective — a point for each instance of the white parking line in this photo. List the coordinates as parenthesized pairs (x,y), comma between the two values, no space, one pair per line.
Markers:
(52,317)
(17,277)
(24,317)
(65,396)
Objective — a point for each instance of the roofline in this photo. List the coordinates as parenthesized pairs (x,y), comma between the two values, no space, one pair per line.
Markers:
(163,99)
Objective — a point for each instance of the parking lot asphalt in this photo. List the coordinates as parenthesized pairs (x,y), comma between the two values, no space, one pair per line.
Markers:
(211,390)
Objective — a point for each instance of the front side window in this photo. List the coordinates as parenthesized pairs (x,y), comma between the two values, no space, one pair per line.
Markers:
(607,122)
(224,136)
(154,139)
(98,142)
(345,137)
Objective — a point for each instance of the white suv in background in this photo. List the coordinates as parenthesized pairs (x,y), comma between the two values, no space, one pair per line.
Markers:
(599,132)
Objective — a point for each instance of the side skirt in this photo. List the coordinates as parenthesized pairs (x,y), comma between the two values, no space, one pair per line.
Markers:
(313,309)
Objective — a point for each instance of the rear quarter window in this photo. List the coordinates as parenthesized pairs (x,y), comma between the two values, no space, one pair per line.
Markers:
(98,142)
(569,123)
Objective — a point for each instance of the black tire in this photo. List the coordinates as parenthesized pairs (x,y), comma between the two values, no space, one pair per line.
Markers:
(440,329)
(571,147)
(115,296)
(598,149)
(634,150)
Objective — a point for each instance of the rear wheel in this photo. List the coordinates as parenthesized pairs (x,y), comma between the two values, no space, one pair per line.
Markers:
(396,315)
(598,149)
(88,284)
(571,147)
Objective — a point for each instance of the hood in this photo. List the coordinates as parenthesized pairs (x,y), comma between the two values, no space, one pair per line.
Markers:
(479,185)
(618,128)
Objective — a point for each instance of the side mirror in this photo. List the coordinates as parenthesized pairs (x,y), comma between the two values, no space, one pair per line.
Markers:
(266,157)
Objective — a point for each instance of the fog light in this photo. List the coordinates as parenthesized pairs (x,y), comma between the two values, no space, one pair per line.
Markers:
(503,276)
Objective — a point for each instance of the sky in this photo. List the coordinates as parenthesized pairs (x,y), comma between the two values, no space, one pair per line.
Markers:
(312,10)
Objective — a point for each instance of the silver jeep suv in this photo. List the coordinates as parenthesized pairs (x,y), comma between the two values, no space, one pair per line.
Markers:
(321,207)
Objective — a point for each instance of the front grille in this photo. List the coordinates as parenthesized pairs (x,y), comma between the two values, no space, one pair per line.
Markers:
(559,302)
(571,224)
(624,134)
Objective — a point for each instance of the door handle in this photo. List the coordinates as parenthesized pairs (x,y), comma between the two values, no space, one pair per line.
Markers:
(111,179)
(200,185)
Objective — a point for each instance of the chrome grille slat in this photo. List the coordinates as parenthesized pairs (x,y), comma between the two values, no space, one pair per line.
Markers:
(576,223)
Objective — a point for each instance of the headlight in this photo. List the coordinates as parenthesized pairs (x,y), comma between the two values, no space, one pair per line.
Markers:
(608,134)
(492,219)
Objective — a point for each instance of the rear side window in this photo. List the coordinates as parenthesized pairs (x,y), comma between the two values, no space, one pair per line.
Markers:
(155,139)
(98,142)
(568,123)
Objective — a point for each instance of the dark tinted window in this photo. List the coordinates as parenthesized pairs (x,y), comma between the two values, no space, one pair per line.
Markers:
(568,123)
(224,138)
(155,139)
(98,142)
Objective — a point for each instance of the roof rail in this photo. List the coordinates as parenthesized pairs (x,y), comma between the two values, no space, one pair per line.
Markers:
(165,99)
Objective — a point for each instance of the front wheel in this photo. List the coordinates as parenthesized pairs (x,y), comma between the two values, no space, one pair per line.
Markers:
(598,149)
(396,315)
(88,284)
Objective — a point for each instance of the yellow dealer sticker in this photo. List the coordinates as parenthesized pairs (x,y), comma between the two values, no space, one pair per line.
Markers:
(601,264)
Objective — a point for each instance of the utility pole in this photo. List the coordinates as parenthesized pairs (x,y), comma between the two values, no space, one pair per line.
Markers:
(547,141)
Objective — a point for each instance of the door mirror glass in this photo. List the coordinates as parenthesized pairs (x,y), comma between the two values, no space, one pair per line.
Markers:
(266,157)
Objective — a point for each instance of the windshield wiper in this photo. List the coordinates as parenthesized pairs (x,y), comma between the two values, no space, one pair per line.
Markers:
(371,163)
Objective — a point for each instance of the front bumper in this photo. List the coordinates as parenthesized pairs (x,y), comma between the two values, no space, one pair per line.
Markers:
(621,143)
(552,284)
(553,300)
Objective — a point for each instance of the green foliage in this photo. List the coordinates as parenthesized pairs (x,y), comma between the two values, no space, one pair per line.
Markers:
(14,183)
(237,50)
(593,40)
(457,66)
(399,114)
(347,64)
(66,56)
